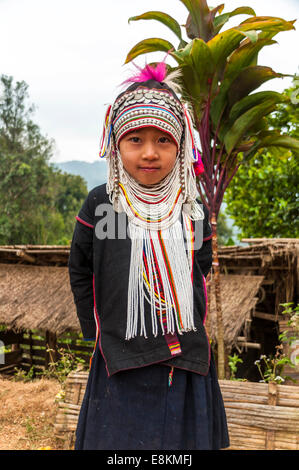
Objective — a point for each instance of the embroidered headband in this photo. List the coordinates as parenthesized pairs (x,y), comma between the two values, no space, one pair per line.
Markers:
(145,107)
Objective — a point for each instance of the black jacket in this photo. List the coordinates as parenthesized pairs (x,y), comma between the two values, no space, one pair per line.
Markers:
(99,273)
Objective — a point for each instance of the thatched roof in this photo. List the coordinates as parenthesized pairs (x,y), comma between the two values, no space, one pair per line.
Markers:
(238,299)
(274,258)
(265,250)
(39,255)
(37,297)
(35,290)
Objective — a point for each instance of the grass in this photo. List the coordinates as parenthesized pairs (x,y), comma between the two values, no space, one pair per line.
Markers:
(27,414)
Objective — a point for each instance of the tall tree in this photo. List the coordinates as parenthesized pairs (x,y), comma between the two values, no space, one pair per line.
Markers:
(263,197)
(219,74)
(31,191)
(225,232)
(68,193)
(24,153)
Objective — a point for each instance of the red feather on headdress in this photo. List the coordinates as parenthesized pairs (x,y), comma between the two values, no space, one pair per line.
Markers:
(149,72)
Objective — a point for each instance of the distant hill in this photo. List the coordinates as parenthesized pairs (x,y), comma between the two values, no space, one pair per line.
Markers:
(94,173)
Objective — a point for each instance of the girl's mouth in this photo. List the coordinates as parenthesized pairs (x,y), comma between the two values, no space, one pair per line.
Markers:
(149,169)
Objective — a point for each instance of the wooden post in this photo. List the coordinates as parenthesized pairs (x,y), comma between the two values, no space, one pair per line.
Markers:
(272,400)
(216,277)
(30,348)
(51,343)
(208,286)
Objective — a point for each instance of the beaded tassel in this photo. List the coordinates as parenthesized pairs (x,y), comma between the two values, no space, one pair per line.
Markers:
(173,266)
(170,377)
(105,145)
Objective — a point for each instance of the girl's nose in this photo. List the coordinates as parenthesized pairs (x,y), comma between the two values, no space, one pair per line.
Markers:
(150,151)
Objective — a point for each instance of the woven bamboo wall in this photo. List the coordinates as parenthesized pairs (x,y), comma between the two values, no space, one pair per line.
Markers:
(260,416)
(68,411)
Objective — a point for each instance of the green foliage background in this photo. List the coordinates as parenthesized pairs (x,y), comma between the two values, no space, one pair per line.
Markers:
(263,196)
(38,201)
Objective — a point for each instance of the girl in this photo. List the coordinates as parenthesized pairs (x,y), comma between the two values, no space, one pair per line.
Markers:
(140,253)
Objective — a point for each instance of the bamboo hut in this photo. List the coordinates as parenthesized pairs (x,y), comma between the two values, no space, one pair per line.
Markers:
(35,294)
(36,297)
(276,260)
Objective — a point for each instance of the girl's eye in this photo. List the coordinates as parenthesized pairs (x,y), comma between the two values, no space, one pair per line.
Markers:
(164,139)
(134,139)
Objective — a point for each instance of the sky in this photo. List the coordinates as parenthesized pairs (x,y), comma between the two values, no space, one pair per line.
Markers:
(71,53)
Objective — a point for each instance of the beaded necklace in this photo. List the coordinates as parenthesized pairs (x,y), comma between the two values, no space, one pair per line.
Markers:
(161,263)
(162,248)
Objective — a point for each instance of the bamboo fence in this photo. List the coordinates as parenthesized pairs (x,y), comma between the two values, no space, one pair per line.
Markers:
(260,416)
(26,351)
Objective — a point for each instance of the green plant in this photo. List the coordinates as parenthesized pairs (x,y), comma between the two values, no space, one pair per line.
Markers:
(293,322)
(232,362)
(291,337)
(60,369)
(30,428)
(22,375)
(219,74)
(37,430)
(263,197)
(271,367)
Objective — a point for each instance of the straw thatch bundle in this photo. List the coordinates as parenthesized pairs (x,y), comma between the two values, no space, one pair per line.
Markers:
(37,297)
(41,255)
(40,297)
(238,299)
(35,291)
(274,258)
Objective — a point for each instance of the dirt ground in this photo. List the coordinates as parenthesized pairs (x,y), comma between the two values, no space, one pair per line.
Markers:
(27,414)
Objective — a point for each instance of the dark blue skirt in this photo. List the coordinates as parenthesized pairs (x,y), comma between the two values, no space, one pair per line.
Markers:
(137,410)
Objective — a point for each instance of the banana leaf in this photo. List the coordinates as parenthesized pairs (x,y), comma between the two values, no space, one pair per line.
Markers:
(240,58)
(273,139)
(245,104)
(248,80)
(199,23)
(164,18)
(246,121)
(220,20)
(148,45)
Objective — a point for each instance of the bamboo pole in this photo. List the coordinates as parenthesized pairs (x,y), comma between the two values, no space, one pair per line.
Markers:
(216,274)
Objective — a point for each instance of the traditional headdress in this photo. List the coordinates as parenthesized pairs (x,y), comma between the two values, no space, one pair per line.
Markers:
(161,264)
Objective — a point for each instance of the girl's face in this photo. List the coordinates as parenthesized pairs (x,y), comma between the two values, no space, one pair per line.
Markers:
(148,154)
